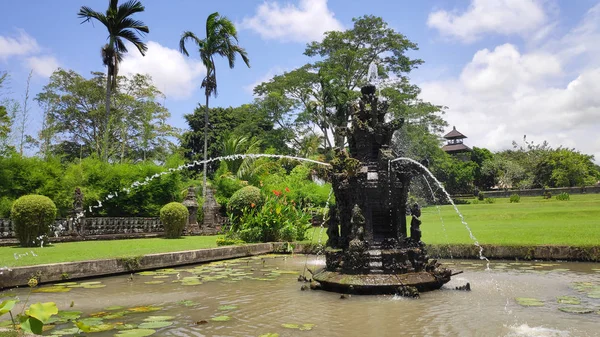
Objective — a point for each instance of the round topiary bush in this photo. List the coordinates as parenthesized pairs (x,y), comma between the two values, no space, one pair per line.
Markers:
(32,216)
(246,197)
(174,217)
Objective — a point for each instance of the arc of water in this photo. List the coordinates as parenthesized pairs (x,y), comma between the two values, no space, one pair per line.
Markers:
(462,218)
(438,210)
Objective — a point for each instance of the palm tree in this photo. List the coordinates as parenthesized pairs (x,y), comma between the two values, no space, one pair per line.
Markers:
(120,26)
(221,39)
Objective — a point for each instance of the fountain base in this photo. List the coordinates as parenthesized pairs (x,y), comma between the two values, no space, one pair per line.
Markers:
(379,284)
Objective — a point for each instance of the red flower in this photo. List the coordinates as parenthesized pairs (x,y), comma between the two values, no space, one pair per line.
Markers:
(277,193)
(252,205)
(287,190)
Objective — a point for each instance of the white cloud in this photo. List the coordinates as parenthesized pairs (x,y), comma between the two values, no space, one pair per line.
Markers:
(176,75)
(22,44)
(504,17)
(42,66)
(303,23)
(548,93)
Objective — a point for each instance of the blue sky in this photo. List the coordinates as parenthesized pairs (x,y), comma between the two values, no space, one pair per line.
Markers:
(504,68)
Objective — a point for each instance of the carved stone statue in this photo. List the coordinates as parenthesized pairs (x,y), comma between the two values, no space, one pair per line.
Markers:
(358,224)
(77,201)
(415,223)
(192,205)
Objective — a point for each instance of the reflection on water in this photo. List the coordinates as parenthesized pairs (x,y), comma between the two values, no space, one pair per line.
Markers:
(259,295)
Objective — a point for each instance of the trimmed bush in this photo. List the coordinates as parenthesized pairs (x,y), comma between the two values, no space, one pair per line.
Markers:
(174,217)
(515,198)
(32,216)
(564,196)
(481,196)
(246,197)
(547,195)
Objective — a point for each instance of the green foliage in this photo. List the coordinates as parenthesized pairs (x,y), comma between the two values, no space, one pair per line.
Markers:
(564,196)
(547,195)
(76,105)
(457,175)
(229,241)
(279,219)
(515,198)
(245,198)
(5,207)
(32,217)
(32,319)
(298,186)
(481,196)
(174,217)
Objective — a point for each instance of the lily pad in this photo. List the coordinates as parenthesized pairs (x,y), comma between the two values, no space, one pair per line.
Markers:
(135,333)
(148,273)
(147,308)
(269,334)
(228,307)
(158,318)
(116,314)
(93,286)
(221,319)
(529,302)
(91,321)
(64,332)
(42,311)
(154,282)
(594,294)
(69,315)
(102,327)
(4,324)
(52,289)
(90,283)
(162,276)
(568,300)
(303,327)
(154,325)
(64,284)
(576,310)
(191,282)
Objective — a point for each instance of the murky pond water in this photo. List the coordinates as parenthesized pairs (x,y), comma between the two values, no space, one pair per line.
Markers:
(261,295)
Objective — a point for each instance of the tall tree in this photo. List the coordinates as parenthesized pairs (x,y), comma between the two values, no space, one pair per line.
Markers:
(121,26)
(324,88)
(75,113)
(221,39)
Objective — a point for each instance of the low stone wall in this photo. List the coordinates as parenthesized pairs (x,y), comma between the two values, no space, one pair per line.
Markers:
(538,192)
(95,226)
(19,276)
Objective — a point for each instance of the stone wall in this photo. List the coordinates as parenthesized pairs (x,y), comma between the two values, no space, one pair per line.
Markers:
(95,226)
(538,192)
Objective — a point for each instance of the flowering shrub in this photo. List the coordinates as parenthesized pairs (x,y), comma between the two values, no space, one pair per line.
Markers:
(278,219)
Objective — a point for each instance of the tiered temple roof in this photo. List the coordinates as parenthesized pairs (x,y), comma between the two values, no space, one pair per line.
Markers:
(455,142)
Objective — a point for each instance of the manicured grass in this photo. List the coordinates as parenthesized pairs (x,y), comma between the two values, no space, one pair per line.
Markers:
(532,221)
(91,250)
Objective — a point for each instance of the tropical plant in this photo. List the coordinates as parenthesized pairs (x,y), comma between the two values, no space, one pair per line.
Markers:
(221,39)
(515,198)
(279,219)
(121,26)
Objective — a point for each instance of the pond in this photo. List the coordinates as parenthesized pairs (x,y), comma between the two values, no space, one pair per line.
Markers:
(260,296)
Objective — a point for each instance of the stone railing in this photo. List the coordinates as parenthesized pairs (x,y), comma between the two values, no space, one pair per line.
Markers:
(95,226)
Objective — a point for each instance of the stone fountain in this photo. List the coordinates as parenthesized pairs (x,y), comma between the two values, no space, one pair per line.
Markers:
(369,251)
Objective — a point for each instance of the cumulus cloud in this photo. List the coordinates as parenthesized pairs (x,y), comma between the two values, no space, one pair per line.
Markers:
(176,75)
(42,65)
(503,94)
(506,17)
(22,44)
(303,23)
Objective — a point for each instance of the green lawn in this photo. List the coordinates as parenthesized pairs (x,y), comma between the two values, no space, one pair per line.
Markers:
(91,250)
(532,221)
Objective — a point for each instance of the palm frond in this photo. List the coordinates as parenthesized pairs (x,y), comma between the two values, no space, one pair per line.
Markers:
(137,25)
(86,13)
(133,38)
(187,35)
(129,8)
